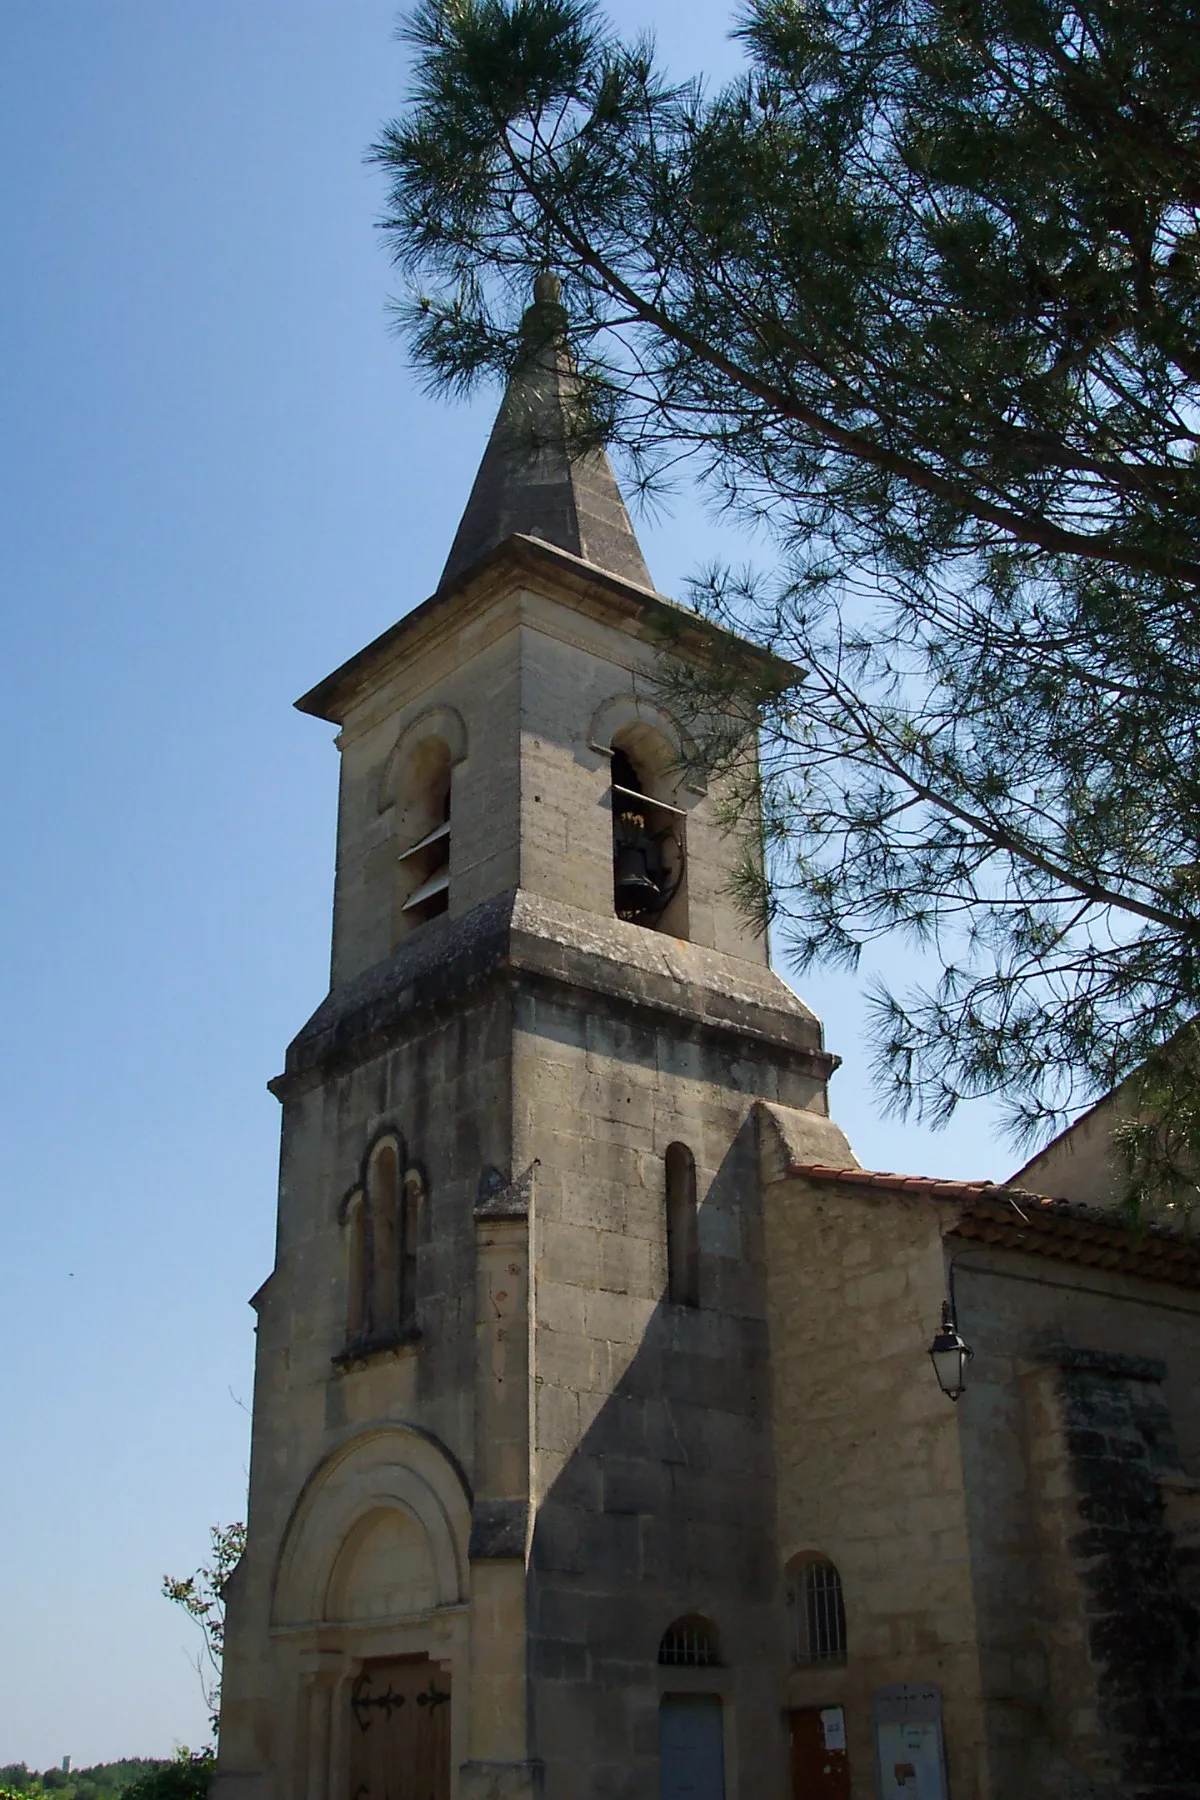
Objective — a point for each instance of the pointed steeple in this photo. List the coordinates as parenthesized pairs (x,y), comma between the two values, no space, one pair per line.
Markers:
(532,479)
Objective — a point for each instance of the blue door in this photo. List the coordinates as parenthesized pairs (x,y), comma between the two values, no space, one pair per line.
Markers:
(691,1747)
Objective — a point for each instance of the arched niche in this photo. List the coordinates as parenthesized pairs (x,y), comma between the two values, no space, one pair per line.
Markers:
(385,1231)
(393,1472)
(683,1245)
(442,724)
(384,1570)
(651,737)
(352,1217)
(382,1221)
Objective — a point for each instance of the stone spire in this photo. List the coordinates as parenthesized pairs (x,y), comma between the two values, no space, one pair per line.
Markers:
(531,479)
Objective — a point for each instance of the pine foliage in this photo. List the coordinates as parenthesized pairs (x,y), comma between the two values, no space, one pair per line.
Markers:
(917,297)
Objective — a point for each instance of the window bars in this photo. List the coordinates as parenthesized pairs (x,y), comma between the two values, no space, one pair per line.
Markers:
(689,1644)
(819,1614)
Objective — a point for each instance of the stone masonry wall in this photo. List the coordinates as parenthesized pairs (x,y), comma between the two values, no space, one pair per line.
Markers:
(654,1467)
(446,1090)
(869,1469)
(1144,1635)
(1140,1635)
(477,675)
(571,666)
(1066,1514)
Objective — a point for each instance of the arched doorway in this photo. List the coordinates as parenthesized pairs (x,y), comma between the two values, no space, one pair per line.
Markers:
(369,1611)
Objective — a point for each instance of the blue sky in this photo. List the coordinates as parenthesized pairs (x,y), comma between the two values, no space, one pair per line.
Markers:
(219,479)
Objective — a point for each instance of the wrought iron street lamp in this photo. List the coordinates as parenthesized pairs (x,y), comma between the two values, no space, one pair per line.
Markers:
(950,1356)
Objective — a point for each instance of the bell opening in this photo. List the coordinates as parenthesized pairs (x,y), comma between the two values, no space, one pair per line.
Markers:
(648,847)
(423,863)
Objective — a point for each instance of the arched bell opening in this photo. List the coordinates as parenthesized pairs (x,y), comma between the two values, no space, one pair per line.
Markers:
(423,829)
(649,833)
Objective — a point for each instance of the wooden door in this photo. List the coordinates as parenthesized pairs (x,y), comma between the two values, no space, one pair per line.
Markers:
(820,1767)
(400,1731)
(691,1747)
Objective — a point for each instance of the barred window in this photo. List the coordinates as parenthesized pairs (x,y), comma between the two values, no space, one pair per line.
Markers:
(818,1612)
(690,1643)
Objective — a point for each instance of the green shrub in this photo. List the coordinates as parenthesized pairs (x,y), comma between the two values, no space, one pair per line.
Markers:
(186,1778)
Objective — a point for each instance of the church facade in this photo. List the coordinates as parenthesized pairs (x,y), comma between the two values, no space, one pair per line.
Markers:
(597,1453)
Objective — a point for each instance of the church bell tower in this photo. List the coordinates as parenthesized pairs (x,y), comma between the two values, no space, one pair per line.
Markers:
(511,1517)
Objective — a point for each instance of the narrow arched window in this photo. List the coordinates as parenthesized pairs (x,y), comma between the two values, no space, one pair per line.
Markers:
(817,1609)
(383,1220)
(423,823)
(353,1221)
(649,856)
(690,1643)
(683,1246)
(384,1242)
(412,1226)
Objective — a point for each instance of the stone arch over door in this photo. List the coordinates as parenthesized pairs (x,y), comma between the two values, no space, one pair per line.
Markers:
(391,1488)
(384,1570)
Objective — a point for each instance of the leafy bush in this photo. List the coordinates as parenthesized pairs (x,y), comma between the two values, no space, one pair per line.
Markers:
(186,1778)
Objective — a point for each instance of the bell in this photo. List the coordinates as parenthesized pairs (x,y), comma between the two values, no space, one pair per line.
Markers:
(634,891)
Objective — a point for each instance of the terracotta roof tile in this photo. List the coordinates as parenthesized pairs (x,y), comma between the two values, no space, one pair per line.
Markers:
(1039,1224)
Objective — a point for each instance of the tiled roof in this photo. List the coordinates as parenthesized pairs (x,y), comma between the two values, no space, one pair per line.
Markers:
(903,1184)
(992,1213)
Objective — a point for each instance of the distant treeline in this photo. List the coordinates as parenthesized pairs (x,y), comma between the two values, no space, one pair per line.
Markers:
(104,1781)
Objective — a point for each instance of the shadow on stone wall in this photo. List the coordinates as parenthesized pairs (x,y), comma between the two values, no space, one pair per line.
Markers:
(1144,1634)
(666,1507)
